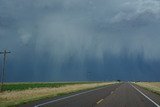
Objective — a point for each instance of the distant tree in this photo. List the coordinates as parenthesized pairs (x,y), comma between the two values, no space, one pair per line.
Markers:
(119,80)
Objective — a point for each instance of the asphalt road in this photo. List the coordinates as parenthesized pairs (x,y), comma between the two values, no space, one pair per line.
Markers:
(117,95)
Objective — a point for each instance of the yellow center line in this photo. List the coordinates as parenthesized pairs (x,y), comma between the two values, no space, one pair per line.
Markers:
(100,101)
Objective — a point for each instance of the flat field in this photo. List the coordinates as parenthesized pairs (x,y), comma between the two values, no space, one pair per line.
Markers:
(19,93)
(152,86)
(31,85)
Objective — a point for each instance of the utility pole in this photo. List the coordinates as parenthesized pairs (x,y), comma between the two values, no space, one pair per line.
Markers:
(3,68)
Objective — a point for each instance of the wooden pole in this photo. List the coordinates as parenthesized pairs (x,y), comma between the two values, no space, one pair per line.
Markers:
(3,68)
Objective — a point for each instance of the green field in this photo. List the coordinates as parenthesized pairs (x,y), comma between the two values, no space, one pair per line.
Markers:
(24,86)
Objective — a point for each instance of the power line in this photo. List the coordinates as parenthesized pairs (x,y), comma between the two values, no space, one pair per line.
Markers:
(5,52)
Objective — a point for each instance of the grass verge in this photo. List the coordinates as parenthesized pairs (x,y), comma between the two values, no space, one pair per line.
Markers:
(31,85)
(151,86)
(16,97)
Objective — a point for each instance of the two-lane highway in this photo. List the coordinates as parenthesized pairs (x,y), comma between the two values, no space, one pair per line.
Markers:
(117,95)
(128,95)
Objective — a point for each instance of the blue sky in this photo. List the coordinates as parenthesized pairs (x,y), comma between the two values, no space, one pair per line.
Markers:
(73,40)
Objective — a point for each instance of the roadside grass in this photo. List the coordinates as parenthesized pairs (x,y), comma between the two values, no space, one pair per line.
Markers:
(17,97)
(31,85)
(151,86)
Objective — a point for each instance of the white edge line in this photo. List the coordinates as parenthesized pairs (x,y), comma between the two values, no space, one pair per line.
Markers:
(145,96)
(67,97)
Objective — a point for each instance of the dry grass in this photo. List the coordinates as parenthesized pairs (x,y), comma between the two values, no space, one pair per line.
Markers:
(9,98)
(152,86)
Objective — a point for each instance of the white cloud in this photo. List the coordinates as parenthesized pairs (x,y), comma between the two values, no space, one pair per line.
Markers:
(133,9)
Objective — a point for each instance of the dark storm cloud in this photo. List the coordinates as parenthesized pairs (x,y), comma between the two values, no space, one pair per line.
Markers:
(95,40)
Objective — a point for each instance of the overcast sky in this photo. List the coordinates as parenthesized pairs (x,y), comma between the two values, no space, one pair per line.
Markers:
(73,40)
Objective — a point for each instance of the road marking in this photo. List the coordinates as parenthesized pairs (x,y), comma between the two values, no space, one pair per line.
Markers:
(100,101)
(49,102)
(145,96)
